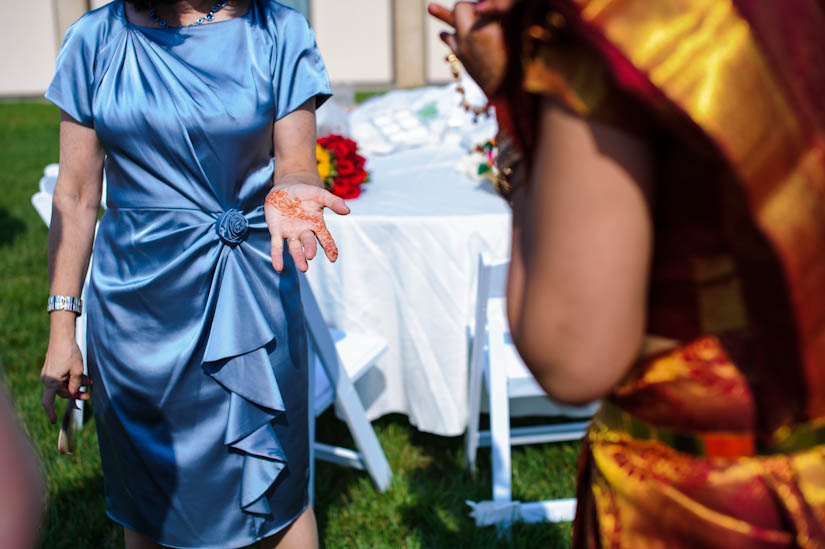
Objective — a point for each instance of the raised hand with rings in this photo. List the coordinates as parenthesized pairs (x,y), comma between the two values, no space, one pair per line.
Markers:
(478,40)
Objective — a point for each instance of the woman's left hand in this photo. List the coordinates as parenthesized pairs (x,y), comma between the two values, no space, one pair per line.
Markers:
(294,212)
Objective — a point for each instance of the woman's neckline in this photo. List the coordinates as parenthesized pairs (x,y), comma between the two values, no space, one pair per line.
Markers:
(185,28)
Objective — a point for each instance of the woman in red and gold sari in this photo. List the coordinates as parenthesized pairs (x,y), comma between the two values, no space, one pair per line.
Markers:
(671,183)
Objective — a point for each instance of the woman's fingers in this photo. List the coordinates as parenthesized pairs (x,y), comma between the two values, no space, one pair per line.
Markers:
(65,442)
(49,393)
(334,203)
(85,381)
(450,39)
(68,388)
(75,382)
(296,250)
(464,17)
(277,252)
(327,243)
(494,7)
(441,13)
(64,393)
(308,242)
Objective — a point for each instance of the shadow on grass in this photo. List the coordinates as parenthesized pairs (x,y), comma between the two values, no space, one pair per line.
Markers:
(440,515)
(10,227)
(76,517)
(425,505)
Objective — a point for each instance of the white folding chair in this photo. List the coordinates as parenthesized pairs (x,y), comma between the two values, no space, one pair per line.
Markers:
(495,362)
(339,359)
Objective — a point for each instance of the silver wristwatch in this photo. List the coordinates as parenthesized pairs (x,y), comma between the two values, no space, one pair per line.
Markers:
(65,303)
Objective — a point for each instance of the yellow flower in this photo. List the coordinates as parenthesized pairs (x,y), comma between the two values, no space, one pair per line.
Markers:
(324,160)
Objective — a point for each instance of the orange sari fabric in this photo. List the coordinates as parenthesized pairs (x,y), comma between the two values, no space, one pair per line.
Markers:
(718,443)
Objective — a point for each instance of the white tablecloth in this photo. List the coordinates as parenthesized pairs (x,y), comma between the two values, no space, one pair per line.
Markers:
(407,271)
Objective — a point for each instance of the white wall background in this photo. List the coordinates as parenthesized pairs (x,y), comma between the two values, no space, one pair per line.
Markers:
(355,39)
(358,39)
(28,42)
(437,70)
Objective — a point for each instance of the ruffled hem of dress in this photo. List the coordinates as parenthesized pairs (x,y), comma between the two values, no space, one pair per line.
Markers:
(237,356)
(243,543)
(254,403)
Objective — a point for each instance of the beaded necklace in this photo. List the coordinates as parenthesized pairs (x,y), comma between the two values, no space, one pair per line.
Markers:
(153,15)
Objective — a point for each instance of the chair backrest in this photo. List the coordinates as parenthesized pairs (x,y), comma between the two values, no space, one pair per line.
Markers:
(319,334)
(495,273)
(371,456)
(491,315)
(490,295)
(42,203)
(49,179)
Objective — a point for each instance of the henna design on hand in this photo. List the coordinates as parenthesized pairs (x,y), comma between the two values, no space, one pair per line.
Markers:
(293,209)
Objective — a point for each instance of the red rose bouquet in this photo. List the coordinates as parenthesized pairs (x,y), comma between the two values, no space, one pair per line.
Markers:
(340,166)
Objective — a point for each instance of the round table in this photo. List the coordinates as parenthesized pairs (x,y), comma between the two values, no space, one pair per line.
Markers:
(407,271)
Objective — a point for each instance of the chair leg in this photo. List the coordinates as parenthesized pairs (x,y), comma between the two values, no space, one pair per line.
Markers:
(500,435)
(473,412)
(80,338)
(311,359)
(346,398)
(349,404)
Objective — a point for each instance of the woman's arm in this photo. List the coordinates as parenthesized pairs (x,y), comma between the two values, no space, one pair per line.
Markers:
(75,207)
(294,206)
(582,242)
(582,232)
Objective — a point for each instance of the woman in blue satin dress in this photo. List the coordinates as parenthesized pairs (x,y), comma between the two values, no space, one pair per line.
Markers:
(202,114)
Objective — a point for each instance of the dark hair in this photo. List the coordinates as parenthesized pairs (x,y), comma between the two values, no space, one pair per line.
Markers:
(143,5)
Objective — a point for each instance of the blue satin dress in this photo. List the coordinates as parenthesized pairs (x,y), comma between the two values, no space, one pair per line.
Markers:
(196,346)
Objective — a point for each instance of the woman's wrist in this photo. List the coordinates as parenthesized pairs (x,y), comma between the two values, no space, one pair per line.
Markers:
(62,326)
(297,178)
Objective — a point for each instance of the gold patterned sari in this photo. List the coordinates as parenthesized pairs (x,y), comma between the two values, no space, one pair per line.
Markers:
(721,441)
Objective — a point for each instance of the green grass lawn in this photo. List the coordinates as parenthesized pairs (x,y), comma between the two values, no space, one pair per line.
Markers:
(424,506)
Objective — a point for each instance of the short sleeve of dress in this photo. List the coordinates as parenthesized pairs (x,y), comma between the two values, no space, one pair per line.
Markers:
(71,87)
(299,73)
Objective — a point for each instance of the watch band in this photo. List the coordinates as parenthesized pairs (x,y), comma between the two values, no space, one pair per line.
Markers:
(65,303)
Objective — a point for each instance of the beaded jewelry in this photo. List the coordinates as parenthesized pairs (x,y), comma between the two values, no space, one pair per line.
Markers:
(477,111)
(153,15)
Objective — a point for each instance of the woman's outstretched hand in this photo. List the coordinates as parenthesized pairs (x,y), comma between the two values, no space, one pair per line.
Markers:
(478,40)
(294,212)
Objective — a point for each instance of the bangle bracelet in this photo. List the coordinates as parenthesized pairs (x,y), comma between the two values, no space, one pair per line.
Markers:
(65,303)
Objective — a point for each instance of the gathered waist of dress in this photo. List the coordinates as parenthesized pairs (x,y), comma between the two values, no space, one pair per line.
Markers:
(231,225)
(216,211)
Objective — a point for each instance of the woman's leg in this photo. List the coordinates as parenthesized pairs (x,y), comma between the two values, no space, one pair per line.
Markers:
(301,534)
(136,541)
